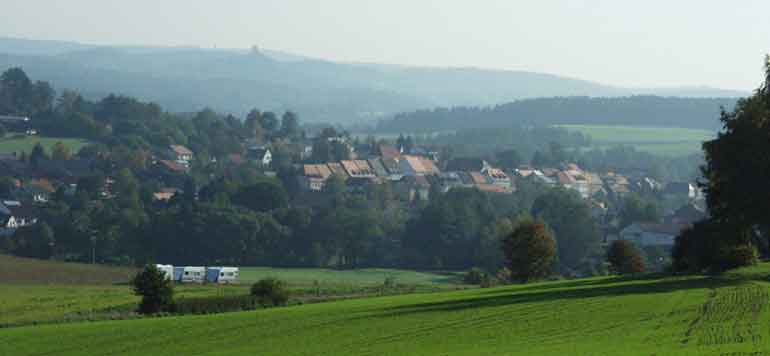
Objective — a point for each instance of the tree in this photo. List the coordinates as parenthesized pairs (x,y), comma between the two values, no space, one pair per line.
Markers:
(269,122)
(262,196)
(290,126)
(576,231)
(270,292)
(37,154)
(712,247)
(508,159)
(530,251)
(61,152)
(624,257)
(156,290)
(735,172)
(7,186)
(634,209)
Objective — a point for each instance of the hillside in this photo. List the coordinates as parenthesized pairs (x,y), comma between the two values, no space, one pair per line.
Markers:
(181,79)
(651,111)
(600,316)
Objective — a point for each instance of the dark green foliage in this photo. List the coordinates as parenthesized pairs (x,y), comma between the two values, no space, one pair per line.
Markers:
(270,292)
(156,290)
(624,258)
(450,233)
(574,228)
(36,241)
(475,276)
(262,196)
(216,304)
(634,210)
(709,246)
(530,251)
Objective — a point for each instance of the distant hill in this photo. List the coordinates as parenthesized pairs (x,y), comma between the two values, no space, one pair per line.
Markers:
(699,113)
(189,78)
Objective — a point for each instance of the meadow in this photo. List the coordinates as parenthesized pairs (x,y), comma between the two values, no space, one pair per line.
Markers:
(649,315)
(35,291)
(666,141)
(18,144)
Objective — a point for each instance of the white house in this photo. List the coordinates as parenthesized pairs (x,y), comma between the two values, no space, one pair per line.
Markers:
(261,155)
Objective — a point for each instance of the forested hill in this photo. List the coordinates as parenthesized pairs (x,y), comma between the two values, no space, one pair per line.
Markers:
(235,81)
(631,111)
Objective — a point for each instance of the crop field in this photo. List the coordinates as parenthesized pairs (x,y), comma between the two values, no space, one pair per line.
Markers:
(12,144)
(725,315)
(657,140)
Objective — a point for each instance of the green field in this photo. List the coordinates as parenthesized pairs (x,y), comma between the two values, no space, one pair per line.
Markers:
(658,140)
(36,291)
(727,315)
(12,144)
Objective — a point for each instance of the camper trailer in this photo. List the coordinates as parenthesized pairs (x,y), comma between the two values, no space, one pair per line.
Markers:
(222,275)
(168,270)
(190,274)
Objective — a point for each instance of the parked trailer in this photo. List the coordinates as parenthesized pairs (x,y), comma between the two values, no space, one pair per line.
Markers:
(190,274)
(222,275)
(168,270)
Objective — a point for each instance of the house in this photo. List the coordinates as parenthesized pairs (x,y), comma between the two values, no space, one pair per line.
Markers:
(651,234)
(358,168)
(314,177)
(338,170)
(389,152)
(448,181)
(261,155)
(378,167)
(414,165)
(172,166)
(467,165)
(165,194)
(181,154)
(413,188)
(681,190)
(15,215)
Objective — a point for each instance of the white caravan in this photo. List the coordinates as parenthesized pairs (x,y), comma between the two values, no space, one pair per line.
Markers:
(222,274)
(189,274)
(168,270)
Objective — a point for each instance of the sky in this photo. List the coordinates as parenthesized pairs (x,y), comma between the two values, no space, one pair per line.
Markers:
(630,43)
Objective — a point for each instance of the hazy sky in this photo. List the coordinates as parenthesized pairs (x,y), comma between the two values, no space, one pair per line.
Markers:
(621,42)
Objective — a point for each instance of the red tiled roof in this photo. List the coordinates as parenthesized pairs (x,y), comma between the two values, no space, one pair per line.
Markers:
(181,150)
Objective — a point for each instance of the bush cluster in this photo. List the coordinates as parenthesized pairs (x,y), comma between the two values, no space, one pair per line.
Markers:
(217,304)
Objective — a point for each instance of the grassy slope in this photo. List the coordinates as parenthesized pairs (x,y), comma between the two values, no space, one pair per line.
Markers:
(10,144)
(664,141)
(670,316)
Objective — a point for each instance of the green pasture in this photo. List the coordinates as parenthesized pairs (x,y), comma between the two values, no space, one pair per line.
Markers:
(669,141)
(651,315)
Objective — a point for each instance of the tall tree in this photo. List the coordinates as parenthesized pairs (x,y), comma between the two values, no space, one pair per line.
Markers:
(530,251)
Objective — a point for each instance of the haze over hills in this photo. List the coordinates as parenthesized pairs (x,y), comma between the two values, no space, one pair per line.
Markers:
(189,78)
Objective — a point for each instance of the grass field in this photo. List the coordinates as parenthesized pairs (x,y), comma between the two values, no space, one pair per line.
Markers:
(36,291)
(658,140)
(726,315)
(12,144)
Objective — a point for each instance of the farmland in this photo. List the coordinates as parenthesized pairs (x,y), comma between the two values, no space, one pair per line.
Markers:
(664,141)
(20,144)
(607,315)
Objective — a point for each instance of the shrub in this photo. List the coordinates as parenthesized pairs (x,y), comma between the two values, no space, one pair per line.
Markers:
(218,304)
(270,292)
(624,258)
(503,275)
(709,246)
(474,276)
(157,292)
(738,256)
